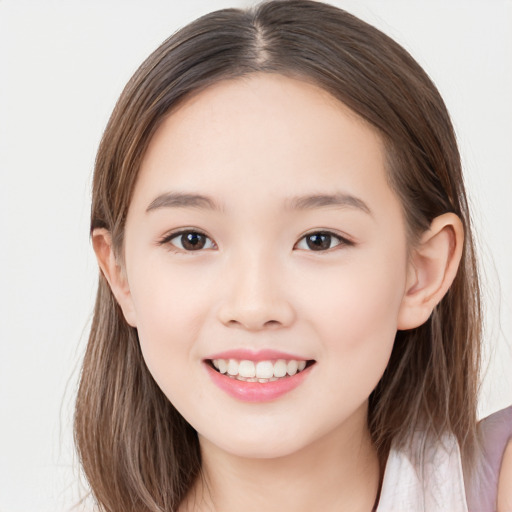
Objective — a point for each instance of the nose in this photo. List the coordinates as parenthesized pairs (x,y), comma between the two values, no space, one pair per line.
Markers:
(255,296)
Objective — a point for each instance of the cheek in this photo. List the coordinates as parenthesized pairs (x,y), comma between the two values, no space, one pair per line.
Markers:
(168,309)
(356,311)
(359,296)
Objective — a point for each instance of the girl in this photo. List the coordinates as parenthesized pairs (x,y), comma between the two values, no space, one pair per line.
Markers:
(288,313)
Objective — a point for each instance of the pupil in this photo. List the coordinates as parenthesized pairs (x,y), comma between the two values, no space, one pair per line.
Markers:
(319,241)
(193,241)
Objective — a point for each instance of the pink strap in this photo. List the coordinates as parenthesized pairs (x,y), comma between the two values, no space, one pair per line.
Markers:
(496,431)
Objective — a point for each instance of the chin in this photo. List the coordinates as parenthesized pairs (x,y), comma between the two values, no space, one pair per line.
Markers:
(257,442)
(259,449)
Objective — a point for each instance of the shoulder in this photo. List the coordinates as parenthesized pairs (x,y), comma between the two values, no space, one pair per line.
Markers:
(496,472)
(504,501)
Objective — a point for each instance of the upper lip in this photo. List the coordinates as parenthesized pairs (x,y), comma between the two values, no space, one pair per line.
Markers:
(256,355)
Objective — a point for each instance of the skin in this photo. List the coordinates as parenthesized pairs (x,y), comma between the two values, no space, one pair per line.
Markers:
(252,144)
(505,481)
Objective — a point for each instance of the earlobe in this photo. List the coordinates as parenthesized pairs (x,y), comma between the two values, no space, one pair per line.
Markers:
(432,268)
(113,272)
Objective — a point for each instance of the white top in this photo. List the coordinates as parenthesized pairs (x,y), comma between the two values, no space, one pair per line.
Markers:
(434,483)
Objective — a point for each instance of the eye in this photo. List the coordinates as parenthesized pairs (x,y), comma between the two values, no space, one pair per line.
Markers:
(188,241)
(321,241)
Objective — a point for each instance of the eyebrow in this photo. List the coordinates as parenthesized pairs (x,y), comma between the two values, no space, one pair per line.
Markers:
(339,199)
(306,202)
(184,200)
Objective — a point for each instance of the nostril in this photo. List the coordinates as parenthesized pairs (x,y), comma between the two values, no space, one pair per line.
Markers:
(255,311)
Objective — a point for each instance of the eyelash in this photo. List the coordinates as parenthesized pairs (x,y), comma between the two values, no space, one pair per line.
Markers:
(342,241)
(166,240)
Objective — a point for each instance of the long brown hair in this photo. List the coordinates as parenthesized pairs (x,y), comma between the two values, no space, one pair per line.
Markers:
(137,451)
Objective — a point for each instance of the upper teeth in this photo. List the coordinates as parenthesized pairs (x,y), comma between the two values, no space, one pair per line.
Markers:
(259,370)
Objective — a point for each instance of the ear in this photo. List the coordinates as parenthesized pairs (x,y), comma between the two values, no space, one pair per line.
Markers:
(114,272)
(431,270)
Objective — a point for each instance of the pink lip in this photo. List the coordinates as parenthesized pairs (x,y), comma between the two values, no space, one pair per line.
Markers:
(259,355)
(256,391)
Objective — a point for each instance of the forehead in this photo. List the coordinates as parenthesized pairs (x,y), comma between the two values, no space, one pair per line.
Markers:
(264,132)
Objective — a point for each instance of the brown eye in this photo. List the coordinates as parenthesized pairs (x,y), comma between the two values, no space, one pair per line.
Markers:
(321,241)
(190,241)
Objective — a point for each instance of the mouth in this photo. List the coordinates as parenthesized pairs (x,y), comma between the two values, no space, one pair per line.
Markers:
(262,372)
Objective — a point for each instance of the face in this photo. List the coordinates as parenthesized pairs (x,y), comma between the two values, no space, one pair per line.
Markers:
(262,229)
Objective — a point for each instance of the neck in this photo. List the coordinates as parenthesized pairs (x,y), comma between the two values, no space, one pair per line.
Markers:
(339,471)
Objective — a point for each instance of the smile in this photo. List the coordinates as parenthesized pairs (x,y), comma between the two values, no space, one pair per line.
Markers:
(257,381)
(260,371)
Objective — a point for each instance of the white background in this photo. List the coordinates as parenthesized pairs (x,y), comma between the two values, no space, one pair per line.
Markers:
(62,66)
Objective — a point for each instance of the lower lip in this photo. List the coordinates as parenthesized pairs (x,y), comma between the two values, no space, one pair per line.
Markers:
(257,391)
